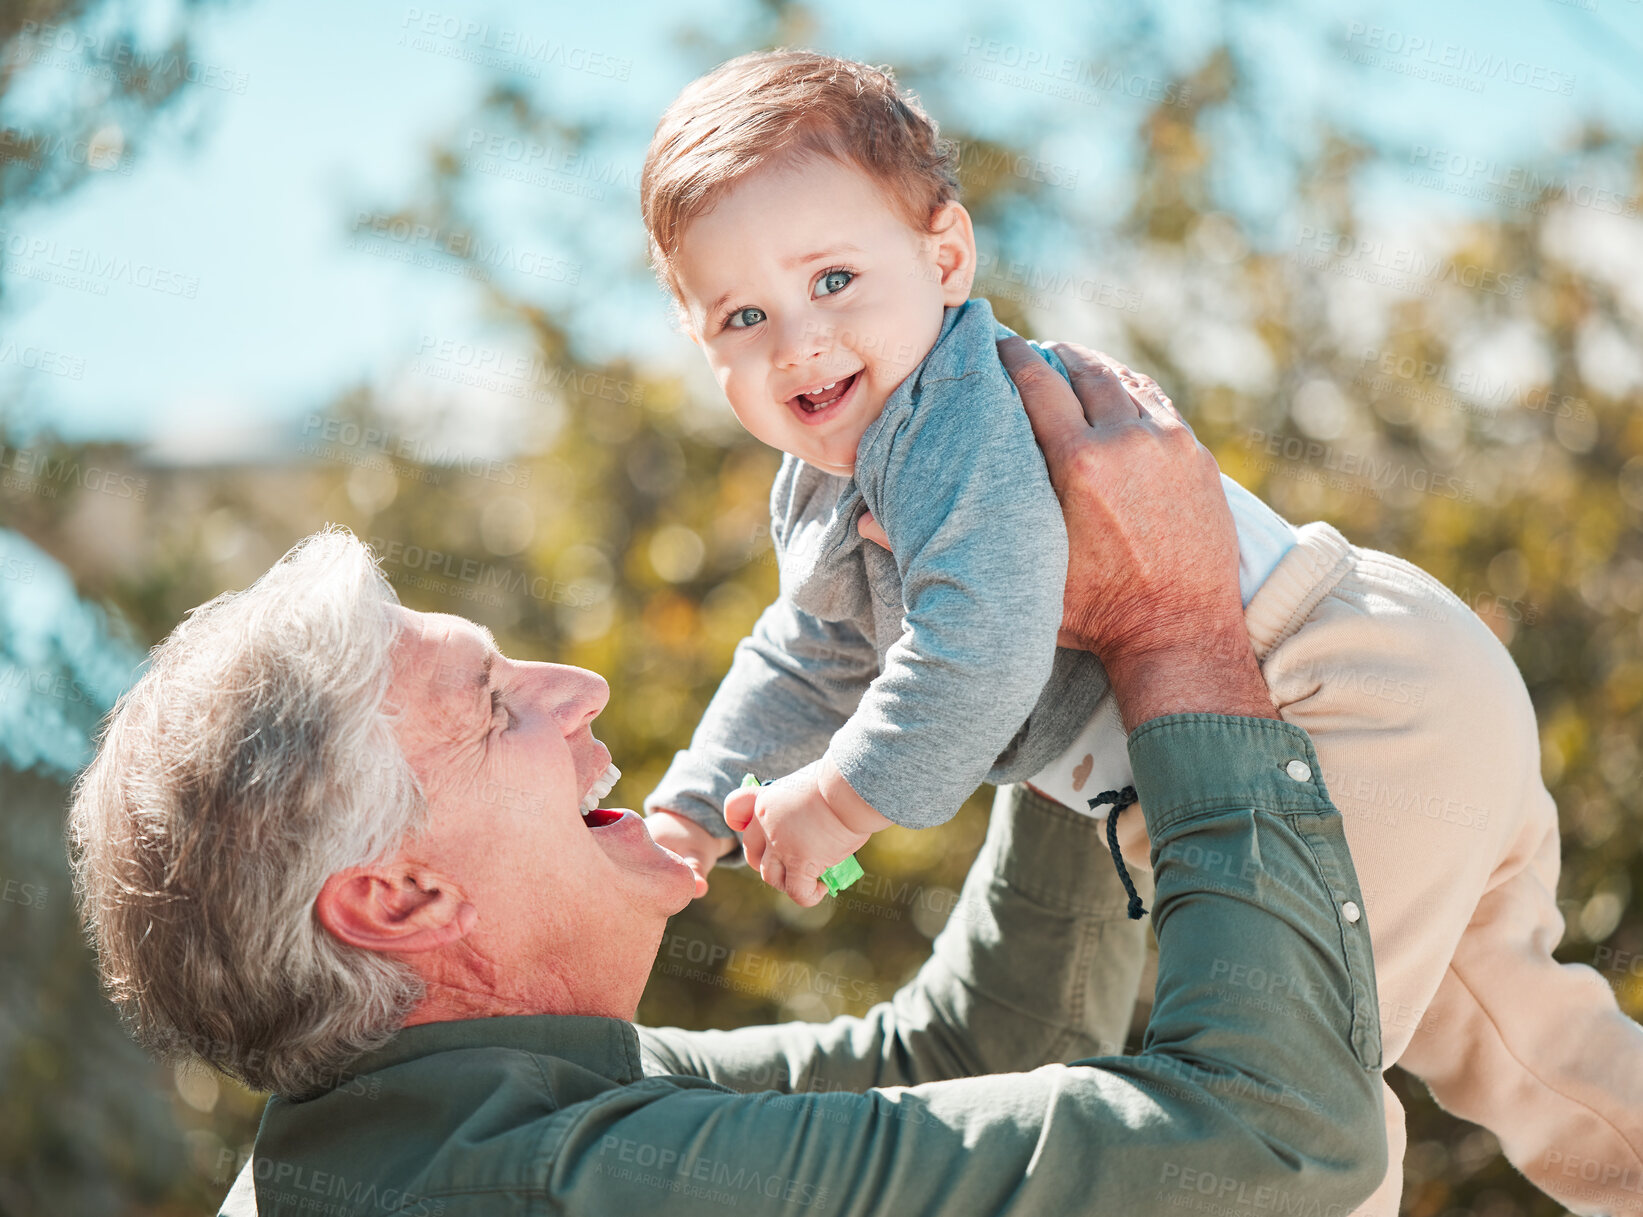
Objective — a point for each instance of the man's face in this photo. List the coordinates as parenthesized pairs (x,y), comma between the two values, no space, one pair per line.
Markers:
(505,753)
(803,276)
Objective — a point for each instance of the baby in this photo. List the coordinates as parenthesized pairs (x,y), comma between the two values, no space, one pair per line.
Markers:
(805,218)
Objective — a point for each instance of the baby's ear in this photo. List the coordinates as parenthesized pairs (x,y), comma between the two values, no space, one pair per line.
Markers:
(953,237)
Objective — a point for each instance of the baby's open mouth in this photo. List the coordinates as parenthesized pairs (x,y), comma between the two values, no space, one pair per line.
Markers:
(826,395)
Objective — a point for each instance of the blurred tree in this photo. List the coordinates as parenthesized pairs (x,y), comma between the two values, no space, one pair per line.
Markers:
(1463,400)
(80,87)
(87,1121)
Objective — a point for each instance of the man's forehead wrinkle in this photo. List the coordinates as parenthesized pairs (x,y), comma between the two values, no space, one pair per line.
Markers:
(457,689)
(478,676)
(454,679)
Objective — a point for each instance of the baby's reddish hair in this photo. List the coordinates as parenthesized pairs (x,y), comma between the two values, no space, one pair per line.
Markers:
(757,108)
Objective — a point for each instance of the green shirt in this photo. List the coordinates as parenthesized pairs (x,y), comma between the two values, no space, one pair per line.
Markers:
(976,1089)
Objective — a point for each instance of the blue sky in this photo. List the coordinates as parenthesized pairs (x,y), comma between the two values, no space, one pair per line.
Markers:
(250,220)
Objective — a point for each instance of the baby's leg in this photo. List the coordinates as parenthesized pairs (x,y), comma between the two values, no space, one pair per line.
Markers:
(1537,1050)
(1429,747)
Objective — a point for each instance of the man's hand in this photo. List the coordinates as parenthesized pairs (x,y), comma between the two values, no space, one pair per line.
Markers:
(1146,519)
(796,827)
(683,836)
(1152,572)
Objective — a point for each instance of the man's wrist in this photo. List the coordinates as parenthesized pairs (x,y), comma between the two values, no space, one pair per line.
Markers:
(1208,673)
(1187,763)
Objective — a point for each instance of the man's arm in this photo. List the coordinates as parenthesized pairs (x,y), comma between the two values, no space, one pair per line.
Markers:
(1038,963)
(1152,574)
(1249,1092)
(1260,1096)
(1252,1093)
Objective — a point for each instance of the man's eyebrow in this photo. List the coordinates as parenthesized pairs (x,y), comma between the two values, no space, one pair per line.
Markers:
(483,680)
(786,264)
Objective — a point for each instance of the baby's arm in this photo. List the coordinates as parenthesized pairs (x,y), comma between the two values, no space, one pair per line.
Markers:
(961,490)
(794,680)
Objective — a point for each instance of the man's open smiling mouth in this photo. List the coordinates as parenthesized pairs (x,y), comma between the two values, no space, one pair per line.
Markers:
(824,401)
(593,815)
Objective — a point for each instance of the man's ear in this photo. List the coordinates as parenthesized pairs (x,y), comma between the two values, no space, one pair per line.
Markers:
(396,908)
(952,246)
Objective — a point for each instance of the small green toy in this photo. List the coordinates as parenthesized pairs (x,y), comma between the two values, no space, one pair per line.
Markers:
(841,875)
(836,877)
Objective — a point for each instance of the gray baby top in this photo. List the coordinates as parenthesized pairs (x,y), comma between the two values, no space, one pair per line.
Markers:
(929,668)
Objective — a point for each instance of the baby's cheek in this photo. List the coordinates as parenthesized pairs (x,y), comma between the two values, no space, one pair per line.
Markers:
(744,404)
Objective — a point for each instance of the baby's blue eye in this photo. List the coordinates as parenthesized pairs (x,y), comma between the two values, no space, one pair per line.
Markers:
(744,317)
(833,281)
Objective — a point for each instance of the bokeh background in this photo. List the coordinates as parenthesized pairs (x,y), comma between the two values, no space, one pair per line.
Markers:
(264,267)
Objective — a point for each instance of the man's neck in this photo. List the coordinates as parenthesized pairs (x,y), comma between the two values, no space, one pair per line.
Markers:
(455,989)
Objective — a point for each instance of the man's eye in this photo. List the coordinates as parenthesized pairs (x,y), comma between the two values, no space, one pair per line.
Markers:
(744,317)
(833,281)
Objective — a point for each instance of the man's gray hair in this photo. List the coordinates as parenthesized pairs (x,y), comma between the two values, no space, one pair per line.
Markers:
(252,760)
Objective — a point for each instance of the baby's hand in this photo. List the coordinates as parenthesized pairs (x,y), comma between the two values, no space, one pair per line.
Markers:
(683,836)
(792,833)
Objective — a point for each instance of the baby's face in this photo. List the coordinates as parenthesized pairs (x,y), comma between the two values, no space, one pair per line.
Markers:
(804,276)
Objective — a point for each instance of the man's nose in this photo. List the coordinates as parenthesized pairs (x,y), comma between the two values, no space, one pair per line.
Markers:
(799,340)
(575,696)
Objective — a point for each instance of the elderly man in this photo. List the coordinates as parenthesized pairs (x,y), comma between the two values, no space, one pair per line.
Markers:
(351,854)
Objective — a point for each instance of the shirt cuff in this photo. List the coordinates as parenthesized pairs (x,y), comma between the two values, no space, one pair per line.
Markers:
(1189,764)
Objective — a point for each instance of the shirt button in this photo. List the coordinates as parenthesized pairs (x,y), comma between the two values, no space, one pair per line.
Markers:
(1350,911)
(1299,770)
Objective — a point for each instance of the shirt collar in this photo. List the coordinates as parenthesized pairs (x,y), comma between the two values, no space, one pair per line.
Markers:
(964,343)
(965,339)
(608,1047)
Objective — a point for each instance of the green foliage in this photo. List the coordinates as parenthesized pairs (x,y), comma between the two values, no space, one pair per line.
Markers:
(628,534)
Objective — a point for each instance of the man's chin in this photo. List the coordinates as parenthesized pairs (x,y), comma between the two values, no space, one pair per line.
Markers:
(630,832)
(688,878)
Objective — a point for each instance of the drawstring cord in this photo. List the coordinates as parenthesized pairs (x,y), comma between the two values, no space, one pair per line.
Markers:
(1120,799)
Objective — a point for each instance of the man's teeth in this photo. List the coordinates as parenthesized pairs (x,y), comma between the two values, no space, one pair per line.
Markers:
(601,788)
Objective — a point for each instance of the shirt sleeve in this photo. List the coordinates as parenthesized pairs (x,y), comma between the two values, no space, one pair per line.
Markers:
(1038,962)
(1264,1096)
(792,683)
(961,489)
